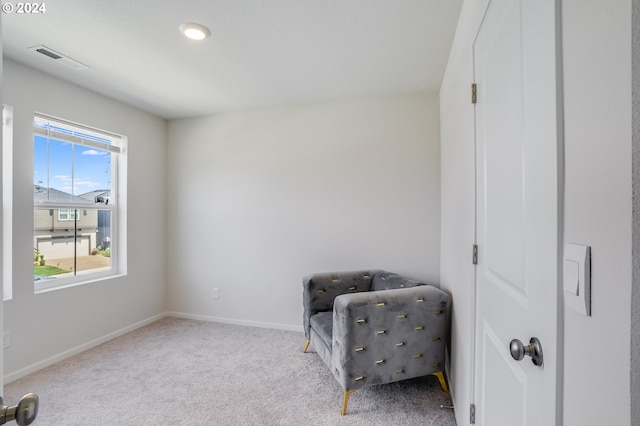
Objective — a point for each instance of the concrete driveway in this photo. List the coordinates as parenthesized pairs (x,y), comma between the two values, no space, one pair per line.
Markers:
(84,263)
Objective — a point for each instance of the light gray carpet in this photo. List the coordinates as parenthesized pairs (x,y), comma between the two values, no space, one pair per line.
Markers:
(184,372)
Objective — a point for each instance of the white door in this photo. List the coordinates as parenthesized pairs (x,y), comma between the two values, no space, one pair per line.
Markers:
(517,212)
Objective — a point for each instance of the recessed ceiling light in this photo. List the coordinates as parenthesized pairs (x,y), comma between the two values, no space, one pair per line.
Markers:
(194,31)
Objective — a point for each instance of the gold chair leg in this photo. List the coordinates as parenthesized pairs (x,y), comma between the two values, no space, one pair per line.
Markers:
(306,346)
(443,384)
(345,401)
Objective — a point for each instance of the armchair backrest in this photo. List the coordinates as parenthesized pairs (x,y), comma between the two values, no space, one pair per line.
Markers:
(389,281)
(321,289)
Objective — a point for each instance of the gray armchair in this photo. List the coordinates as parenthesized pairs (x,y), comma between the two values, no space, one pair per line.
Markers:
(375,327)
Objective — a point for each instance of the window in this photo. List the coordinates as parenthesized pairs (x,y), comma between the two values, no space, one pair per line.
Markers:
(68,214)
(77,185)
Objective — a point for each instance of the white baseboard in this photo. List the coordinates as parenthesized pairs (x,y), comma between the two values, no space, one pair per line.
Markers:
(8,378)
(271,325)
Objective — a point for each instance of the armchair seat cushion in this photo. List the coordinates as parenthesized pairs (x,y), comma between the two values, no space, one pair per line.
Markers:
(322,324)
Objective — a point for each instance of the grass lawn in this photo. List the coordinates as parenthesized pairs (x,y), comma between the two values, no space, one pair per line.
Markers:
(46,271)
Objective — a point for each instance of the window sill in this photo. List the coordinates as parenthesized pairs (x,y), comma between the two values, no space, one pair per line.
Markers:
(41,287)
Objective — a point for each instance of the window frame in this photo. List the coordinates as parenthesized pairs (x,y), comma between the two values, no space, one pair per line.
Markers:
(65,131)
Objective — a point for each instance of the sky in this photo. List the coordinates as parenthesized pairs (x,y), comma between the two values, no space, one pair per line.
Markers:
(75,169)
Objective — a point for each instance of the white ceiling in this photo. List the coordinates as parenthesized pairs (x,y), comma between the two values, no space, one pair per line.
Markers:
(261,53)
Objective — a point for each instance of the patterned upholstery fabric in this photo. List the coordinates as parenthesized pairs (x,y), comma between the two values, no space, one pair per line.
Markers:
(389,280)
(374,327)
(320,290)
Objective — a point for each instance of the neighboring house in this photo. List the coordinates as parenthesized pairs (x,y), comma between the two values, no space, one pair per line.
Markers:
(55,235)
(101,196)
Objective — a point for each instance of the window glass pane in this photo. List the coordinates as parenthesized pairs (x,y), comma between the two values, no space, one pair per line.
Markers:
(92,170)
(62,248)
(40,169)
(53,177)
(62,170)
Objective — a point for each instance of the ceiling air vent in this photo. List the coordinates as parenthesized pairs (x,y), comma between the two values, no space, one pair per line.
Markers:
(59,57)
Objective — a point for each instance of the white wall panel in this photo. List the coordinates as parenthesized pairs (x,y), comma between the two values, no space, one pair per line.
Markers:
(597,83)
(257,199)
(44,326)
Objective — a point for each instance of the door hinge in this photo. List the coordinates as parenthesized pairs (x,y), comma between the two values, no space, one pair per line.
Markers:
(475,254)
(474,93)
(472,414)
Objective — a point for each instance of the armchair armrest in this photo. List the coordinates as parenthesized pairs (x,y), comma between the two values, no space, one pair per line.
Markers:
(320,290)
(390,335)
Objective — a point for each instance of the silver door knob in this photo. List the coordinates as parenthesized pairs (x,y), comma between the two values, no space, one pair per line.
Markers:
(24,413)
(533,349)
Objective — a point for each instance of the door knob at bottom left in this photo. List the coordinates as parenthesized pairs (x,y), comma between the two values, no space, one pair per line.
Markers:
(24,413)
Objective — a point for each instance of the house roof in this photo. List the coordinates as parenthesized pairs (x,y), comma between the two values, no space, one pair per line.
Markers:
(105,193)
(52,195)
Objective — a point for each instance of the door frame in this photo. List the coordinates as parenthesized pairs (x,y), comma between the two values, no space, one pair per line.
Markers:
(2,283)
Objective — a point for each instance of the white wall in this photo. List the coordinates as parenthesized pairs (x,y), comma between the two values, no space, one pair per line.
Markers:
(49,325)
(597,204)
(257,199)
(597,83)
(635,299)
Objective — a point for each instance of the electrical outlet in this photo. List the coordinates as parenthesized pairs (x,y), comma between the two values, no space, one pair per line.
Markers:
(216,295)
(6,339)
